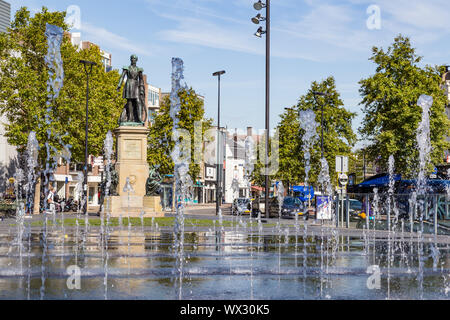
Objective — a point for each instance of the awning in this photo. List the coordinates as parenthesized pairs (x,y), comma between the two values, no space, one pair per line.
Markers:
(379,181)
(256,188)
(305,193)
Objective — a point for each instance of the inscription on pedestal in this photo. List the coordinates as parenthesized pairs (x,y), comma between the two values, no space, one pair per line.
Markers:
(132,150)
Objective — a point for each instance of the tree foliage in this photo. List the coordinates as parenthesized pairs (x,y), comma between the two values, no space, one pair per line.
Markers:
(392,115)
(23,79)
(160,140)
(338,134)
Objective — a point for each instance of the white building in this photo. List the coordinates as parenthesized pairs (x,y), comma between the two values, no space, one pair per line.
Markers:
(153,101)
(75,39)
(8,153)
(8,156)
(235,167)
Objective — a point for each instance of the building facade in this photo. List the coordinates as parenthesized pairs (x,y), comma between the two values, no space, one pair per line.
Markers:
(153,98)
(8,153)
(75,39)
(235,184)
(8,157)
(5,15)
(67,180)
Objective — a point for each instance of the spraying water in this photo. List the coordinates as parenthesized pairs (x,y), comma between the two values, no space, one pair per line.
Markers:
(424,146)
(424,143)
(108,150)
(32,164)
(248,171)
(54,63)
(280,196)
(309,125)
(181,159)
(20,212)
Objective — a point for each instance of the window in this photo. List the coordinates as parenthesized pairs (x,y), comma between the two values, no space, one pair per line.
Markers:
(153,97)
(151,116)
(91,194)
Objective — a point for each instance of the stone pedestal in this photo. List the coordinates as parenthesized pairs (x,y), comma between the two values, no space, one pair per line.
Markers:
(134,206)
(132,163)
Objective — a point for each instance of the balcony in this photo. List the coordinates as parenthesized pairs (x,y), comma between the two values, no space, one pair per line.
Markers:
(77,167)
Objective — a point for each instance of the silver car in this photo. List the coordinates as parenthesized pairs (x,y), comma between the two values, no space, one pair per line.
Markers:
(241,206)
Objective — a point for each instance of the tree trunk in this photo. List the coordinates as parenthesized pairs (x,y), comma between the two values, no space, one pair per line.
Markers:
(37,196)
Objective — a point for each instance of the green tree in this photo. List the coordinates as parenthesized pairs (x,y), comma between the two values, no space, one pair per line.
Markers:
(23,79)
(339,137)
(160,137)
(391,112)
(291,168)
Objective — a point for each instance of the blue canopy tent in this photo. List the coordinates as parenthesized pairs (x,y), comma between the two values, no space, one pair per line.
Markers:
(302,192)
(402,186)
(379,181)
(433,185)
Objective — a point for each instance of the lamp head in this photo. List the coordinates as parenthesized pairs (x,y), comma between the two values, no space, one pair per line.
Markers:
(259,32)
(218,73)
(85,62)
(259,5)
(258,19)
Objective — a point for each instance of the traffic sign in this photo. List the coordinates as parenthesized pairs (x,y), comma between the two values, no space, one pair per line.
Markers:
(434,174)
(341,164)
(343,180)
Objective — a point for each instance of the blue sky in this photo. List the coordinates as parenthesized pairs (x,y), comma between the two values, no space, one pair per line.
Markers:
(311,40)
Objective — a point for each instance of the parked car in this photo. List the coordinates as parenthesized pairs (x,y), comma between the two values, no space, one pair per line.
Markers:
(241,206)
(355,207)
(291,207)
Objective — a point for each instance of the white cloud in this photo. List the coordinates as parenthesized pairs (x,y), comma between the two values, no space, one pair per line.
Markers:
(112,40)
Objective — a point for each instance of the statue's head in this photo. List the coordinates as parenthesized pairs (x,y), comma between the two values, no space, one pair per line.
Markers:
(134,59)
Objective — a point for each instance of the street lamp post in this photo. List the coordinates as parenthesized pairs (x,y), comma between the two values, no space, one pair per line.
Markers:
(258,6)
(219,148)
(86,154)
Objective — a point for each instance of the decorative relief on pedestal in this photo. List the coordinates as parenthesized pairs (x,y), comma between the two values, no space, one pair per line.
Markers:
(133,180)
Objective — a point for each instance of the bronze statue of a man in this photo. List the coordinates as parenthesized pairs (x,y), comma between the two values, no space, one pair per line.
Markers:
(134,92)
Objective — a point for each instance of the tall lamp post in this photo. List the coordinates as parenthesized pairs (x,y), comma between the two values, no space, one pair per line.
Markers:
(219,148)
(88,72)
(256,20)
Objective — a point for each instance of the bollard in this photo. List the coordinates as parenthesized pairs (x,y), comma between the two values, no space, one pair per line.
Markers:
(347,212)
(389,215)
(446,208)
(367,210)
(436,215)
(337,210)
